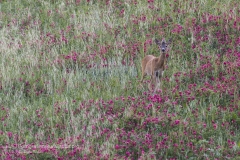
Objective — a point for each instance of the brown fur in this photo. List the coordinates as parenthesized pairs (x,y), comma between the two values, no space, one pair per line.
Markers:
(151,65)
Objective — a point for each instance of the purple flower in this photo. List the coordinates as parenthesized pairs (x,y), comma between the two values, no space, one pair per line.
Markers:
(177,122)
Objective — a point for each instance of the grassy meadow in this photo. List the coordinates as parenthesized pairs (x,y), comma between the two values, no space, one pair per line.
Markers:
(70,79)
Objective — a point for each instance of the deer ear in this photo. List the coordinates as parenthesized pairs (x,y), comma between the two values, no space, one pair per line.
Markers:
(157,42)
(169,41)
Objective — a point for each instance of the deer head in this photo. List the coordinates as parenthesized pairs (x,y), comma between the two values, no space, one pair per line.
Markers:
(163,46)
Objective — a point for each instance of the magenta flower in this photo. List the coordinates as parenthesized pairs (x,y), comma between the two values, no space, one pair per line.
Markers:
(10,134)
(175,145)
(204,125)
(117,146)
(177,122)
(215,126)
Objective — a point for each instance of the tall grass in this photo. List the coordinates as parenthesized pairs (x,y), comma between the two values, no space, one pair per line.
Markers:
(70,71)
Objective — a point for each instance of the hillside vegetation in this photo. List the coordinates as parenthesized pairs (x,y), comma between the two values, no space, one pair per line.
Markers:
(70,72)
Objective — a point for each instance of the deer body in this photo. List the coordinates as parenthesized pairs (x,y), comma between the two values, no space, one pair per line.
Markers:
(155,66)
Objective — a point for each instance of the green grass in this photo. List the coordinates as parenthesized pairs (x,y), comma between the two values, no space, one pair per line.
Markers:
(95,104)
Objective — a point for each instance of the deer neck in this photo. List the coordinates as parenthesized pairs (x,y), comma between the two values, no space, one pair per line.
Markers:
(161,58)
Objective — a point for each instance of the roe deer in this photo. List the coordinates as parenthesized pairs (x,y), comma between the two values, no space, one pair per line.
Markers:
(155,66)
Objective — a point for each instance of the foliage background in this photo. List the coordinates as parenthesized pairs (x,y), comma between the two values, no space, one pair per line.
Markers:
(70,71)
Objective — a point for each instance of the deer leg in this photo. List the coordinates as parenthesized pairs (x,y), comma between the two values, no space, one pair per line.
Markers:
(152,82)
(150,85)
(143,75)
(162,73)
(156,76)
(156,84)
(158,79)
(141,82)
